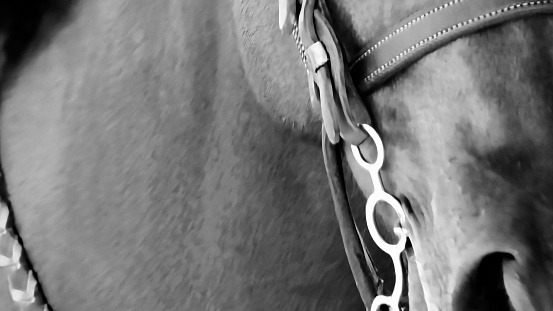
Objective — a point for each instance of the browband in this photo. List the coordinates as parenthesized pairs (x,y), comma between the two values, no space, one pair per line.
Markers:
(429,29)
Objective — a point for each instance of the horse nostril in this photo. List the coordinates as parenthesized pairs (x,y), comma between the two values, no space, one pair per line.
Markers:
(484,287)
(517,291)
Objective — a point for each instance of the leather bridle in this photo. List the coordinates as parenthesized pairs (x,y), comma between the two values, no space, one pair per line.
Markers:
(333,87)
(334,84)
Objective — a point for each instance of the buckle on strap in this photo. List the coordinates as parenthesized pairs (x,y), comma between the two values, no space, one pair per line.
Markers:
(322,95)
(330,86)
(316,56)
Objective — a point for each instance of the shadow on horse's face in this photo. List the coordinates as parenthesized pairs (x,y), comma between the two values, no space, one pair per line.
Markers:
(468,137)
(468,142)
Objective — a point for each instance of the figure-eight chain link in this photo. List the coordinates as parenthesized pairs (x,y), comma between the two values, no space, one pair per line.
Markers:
(314,57)
(378,195)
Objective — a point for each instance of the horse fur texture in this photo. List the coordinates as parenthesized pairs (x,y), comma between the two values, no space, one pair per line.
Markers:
(468,140)
(149,168)
(145,175)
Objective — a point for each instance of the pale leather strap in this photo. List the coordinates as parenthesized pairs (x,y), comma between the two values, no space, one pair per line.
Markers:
(341,106)
(429,29)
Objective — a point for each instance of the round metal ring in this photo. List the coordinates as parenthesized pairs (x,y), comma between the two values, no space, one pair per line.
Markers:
(381,301)
(371,167)
(390,249)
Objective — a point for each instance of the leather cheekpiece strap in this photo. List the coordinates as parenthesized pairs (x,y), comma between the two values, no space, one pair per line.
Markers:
(361,264)
(334,91)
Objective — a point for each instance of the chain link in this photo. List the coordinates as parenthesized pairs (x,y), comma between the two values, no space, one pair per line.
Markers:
(380,195)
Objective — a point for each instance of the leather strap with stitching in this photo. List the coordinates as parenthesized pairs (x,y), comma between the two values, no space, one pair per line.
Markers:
(429,29)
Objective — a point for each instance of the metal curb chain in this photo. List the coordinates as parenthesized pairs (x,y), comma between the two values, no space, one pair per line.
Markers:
(26,297)
(314,57)
(378,195)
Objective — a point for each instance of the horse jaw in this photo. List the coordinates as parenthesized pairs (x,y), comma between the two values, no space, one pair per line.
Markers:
(273,65)
(467,134)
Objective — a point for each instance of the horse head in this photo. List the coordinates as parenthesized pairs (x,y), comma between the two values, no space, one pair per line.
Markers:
(467,134)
